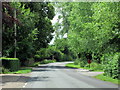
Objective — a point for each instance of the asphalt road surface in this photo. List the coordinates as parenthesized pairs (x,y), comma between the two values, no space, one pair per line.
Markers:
(56,75)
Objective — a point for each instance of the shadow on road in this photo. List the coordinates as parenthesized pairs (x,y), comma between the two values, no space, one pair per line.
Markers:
(56,67)
(49,68)
(14,78)
(22,78)
(41,70)
(32,79)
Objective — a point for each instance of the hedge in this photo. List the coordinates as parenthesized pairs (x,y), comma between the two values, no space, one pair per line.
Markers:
(13,64)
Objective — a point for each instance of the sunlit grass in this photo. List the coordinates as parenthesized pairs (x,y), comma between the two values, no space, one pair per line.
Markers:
(23,70)
(72,65)
(106,78)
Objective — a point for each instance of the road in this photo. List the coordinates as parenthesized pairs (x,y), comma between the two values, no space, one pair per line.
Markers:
(56,75)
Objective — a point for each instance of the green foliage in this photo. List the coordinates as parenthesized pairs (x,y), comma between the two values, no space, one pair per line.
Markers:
(29,62)
(13,64)
(43,53)
(77,62)
(3,58)
(82,63)
(35,64)
(37,56)
(112,67)
(63,53)
(23,70)
(92,28)
(47,61)
(67,58)
(95,66)
(4,70)
(33,31)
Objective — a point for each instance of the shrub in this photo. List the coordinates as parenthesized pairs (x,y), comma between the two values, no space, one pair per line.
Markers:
(36,63)
(82,63)
(77,62)
(37,57)
(13,64)
(112,67)
(65,57)
(59,56)
(96,66)
(68,58)
(47,61)
(83,60)
(4,70)
(29,62)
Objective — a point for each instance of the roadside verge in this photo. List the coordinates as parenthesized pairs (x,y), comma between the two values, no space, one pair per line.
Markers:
(95,74)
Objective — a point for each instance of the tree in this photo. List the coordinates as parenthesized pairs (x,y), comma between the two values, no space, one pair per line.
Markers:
(34,32)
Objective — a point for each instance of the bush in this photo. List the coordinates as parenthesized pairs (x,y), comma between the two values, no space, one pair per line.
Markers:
(37,57)
(29,62)
(82,63)
(96,66)
(13,64)
(47,61)
(59,56)
(35,64)
(68,58)
(112,67)
(65,57)
(77,62)
(4,70)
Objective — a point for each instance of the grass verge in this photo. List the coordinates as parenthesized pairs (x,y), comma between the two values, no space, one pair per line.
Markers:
(101,76)
(109,79)
(23,70)
(72,65)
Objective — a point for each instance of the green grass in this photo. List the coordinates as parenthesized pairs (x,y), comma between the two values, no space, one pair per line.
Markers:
(109,79)
(72,65)
(23,70)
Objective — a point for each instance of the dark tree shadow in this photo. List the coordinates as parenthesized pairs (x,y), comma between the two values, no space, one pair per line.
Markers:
(18,78)
(56,67)
(10,78)
(13,78)
(32,79)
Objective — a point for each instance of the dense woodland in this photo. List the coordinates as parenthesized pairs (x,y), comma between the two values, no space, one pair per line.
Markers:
(93,32)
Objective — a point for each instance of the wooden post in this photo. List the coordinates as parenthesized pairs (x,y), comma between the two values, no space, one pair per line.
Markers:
(15,34)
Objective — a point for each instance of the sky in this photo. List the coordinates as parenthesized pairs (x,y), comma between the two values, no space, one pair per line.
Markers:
(55,19)
(53,22)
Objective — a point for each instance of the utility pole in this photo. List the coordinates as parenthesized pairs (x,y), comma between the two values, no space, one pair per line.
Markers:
(15,34)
